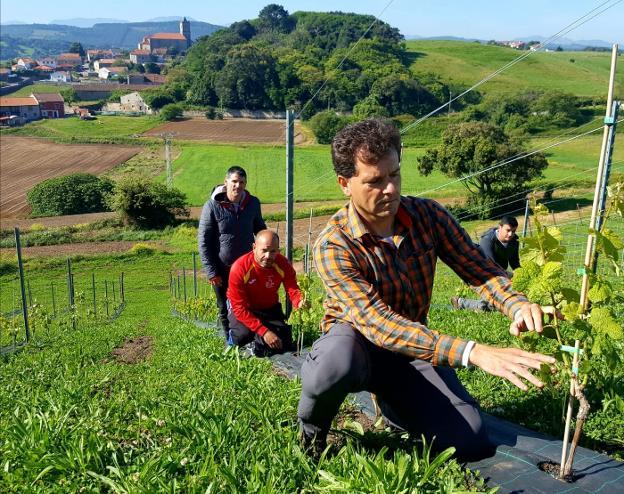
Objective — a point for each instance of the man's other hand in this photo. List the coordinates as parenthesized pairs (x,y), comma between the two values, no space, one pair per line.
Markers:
(271,339)
(528,318)
(215,281)
(509,363)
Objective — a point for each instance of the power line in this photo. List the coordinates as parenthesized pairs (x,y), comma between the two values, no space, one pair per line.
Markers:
(570,27)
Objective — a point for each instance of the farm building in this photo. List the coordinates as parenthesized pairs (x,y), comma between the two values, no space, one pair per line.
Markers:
(112,72)
(24,109)
(103,62)
(133,102)
(97,91)
(70,60)
(93,55)
(51,105)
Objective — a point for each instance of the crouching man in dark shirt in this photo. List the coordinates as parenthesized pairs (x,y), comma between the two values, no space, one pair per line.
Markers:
(255,313)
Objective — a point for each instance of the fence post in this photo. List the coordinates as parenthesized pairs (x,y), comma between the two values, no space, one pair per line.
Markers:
(184,282)
(194,275)
(20,265)
(526,218)
(290,145)
(69,283)
(106,296)
(122,287)
(114,292)
(93,290)
(178,292)
(53,300)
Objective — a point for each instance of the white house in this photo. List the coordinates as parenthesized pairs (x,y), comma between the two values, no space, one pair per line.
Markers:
(61,76)
(26,63)
(133,102)
(112,72)
(47,61)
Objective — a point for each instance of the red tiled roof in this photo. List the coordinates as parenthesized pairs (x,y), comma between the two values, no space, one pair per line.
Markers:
(70,56)
(179,36)
(109,87)
(48,97)
(18,102)
(155,78)
(140,52)
(4,70)
(106,60)
(26,60)
(117,70)
(45,68)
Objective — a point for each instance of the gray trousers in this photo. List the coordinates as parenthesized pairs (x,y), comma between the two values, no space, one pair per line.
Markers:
(480,305)
(412,394)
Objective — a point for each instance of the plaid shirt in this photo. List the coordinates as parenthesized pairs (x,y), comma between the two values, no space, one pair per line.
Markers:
(384,289)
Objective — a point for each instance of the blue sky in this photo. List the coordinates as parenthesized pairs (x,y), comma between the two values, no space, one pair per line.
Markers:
(476,18)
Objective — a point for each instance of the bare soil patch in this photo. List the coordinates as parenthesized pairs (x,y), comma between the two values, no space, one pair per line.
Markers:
(26,161)
(73,249)
(134,350)
(227,131)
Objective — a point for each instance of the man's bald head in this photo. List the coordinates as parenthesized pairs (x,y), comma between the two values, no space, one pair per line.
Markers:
(266,248)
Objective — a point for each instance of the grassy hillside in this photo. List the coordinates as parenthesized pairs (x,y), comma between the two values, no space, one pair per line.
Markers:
(36,88)
(467,63)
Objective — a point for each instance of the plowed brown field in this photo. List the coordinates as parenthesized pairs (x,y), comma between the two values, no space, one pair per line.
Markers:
(25,161)
(235,130)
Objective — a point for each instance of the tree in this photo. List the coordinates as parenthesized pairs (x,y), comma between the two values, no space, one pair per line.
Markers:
(76,47)
(170,112)
(147,204)
(275,18)
(152,68)
(470,148)
(77,193)
(326,125)
(244,29)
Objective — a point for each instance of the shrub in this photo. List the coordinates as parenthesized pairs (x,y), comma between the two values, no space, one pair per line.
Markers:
(72,194)
(147,204)
(210,113)
(142,249)
(170,112)
(326,125)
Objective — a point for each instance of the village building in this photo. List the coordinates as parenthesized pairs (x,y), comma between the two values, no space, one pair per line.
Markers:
(179,42)
(5,74)
(93,55)
(51,105)
(134,102)
(17,111)
(155,79)
(43,69)
(112,72)
(25,64)
(99,91)
(61,76)
(47,61)
(140,56)
(103,62)
(70,60)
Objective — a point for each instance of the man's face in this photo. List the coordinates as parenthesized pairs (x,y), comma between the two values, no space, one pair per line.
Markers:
(375,190)
(506,232)
(265,250)
(234,187)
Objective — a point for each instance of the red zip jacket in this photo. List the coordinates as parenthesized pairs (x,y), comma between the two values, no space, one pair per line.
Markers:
(252,287)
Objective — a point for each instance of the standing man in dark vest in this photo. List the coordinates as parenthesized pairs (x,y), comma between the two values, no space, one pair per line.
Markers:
(228,223)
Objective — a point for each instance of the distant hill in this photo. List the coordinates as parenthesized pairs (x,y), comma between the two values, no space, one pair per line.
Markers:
(565,43)
(580,73)
(44,39)
(85,22)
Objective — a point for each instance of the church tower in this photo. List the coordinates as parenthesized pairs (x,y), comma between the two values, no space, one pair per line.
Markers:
(185,30)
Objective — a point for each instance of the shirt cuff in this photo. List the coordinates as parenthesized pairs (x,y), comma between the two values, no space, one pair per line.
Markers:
(466,355)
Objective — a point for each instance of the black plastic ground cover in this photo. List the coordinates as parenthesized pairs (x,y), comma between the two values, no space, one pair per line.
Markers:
(519,450)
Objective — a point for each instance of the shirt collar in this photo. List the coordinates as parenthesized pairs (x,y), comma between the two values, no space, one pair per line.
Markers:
(357,228)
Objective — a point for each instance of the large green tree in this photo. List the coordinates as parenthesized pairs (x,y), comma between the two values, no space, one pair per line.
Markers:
(472,150)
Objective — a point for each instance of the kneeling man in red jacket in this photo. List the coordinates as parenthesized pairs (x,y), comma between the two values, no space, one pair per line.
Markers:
(255,311)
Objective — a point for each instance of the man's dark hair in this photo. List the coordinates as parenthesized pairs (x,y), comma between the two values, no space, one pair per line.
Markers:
(509,220)
(369,140)
(236,170)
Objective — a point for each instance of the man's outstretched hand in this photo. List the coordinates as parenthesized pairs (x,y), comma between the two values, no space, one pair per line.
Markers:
(215,281)
(512,364)
(271,339)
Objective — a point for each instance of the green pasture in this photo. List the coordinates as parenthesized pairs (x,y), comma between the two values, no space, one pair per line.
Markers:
(467,63)
(102,128)
(37,88)
(199,167)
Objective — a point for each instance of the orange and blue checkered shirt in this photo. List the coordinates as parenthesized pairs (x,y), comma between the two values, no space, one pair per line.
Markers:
(383,288)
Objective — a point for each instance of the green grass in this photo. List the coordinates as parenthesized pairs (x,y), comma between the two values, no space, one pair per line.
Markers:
(103,128)
(37,88)
(468,63)
(199,167)
(192,418)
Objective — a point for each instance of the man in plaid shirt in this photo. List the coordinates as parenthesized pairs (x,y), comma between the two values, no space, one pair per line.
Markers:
(377,259)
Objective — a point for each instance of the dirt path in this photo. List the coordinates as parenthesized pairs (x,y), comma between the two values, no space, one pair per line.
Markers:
(73,249)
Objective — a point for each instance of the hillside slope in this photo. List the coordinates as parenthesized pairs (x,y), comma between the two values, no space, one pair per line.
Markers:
(581,73)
